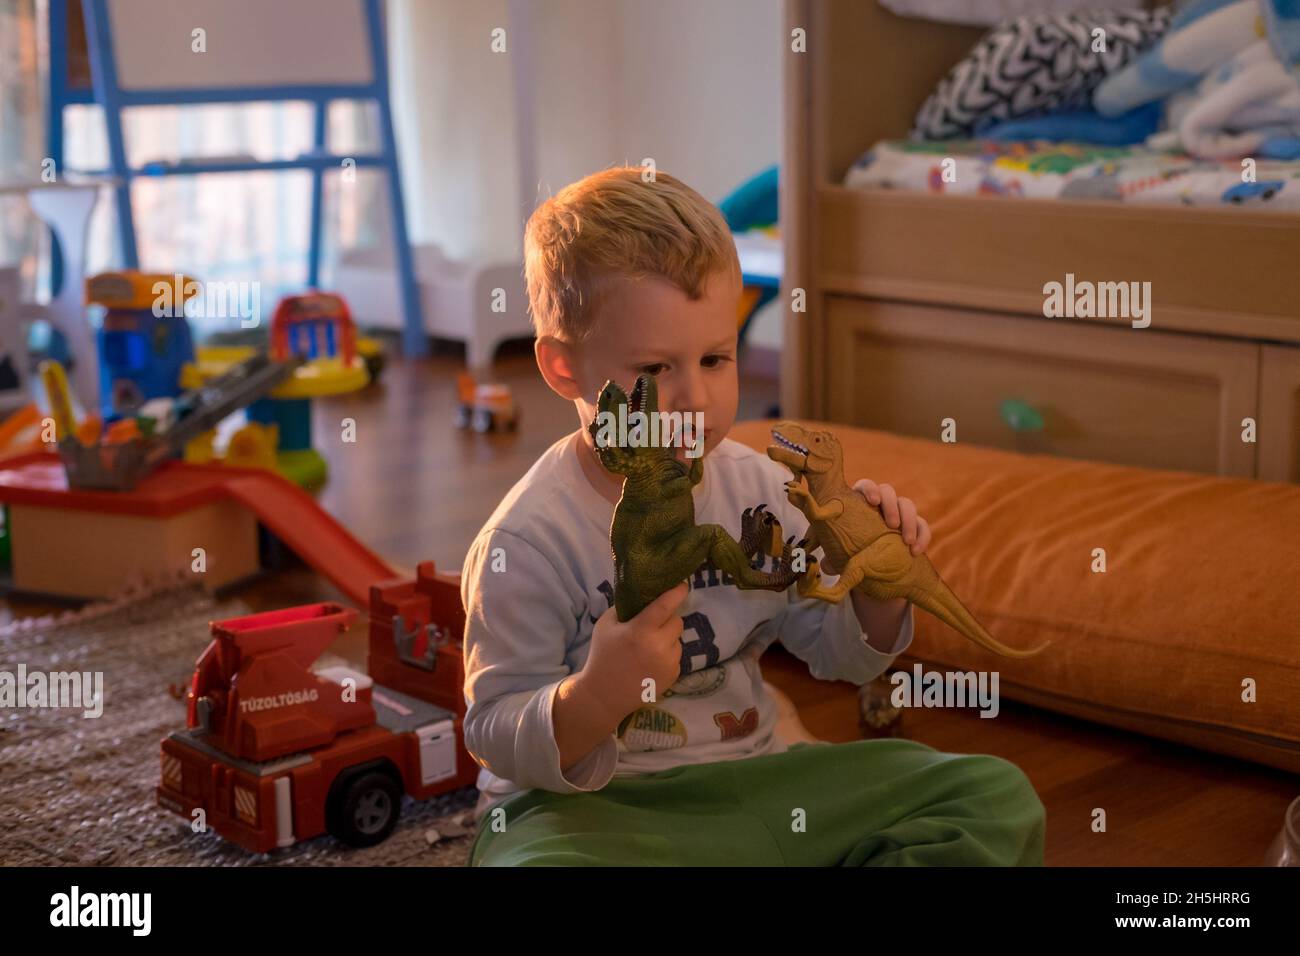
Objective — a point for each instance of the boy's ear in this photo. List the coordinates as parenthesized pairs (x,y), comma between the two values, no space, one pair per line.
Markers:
(556,361)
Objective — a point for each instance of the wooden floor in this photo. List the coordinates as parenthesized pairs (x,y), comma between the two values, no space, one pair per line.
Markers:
(414,489)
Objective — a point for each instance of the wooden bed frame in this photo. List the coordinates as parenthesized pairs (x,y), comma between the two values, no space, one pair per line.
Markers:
(922,307)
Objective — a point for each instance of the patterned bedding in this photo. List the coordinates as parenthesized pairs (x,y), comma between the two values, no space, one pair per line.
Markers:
(1042,170)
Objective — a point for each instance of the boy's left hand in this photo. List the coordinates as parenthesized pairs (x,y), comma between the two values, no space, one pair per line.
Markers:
(899,513)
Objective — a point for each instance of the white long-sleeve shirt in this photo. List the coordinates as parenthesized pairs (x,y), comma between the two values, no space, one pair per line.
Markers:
(539,575)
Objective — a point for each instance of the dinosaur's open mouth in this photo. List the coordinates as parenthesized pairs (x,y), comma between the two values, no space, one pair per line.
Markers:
(787,443)
(636,401)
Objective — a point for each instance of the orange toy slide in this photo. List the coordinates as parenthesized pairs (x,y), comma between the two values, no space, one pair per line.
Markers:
(295,518)
(38,481)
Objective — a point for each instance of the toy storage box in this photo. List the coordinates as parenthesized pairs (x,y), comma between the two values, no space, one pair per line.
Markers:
(457,298)
(82,554)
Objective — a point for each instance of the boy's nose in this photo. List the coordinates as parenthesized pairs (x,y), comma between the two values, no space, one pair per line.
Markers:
(690,395)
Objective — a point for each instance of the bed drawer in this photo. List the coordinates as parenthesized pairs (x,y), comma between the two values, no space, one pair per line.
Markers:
(1279,413)
(1131,396)
(1212,272)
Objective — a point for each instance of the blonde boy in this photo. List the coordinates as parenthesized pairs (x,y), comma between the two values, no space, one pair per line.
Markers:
(629,277)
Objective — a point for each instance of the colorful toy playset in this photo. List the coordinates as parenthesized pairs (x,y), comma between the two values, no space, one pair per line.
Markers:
(316,333)
(144,340)
(78,543)
(110,508)
(152,379)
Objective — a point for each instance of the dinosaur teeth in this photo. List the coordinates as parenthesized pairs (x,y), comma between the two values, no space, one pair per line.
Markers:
(782,440)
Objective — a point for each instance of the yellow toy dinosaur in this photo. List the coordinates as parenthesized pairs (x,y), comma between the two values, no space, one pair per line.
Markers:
(873,557)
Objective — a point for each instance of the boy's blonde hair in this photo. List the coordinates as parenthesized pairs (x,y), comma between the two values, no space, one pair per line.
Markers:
(613,225)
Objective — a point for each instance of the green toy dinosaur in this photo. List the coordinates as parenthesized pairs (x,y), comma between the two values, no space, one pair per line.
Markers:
(655,539)
(873,557)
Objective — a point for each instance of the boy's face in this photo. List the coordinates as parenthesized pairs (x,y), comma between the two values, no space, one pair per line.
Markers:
(649,326)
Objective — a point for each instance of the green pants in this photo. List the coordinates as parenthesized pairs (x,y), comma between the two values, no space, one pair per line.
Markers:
(885,802)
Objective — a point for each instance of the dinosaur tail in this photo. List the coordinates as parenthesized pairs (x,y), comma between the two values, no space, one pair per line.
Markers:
(930,593)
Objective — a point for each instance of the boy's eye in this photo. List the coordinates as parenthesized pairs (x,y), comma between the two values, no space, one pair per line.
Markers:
(709,361)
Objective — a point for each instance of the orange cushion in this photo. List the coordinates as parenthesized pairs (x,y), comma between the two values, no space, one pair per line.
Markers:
(1201,589)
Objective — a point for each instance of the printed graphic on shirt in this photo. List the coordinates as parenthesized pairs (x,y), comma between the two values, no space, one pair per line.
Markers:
(699,651)
(699,683)
(707,576)
(733,727)
(651,728)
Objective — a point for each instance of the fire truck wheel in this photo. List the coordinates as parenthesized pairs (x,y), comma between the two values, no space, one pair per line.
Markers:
(365,808)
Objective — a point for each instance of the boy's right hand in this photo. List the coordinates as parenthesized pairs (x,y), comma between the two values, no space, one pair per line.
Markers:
(623,654)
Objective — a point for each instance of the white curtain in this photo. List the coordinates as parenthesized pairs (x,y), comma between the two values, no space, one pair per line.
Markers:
(454,113)
(694,86)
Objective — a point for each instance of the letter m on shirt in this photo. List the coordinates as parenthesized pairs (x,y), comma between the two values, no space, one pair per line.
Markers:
(733,727)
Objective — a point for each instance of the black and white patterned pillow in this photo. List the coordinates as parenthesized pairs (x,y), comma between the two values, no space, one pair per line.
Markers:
(1034,65)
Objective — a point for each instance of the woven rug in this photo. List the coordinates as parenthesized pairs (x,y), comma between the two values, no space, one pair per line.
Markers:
(79,791)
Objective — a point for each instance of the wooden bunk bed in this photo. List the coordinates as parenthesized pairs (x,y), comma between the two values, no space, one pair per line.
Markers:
(921,308)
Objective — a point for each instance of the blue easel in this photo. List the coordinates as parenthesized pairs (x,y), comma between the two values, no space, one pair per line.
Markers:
(113,98)
(61,94)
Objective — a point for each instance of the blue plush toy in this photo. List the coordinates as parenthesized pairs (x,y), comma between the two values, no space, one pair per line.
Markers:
(1227,75)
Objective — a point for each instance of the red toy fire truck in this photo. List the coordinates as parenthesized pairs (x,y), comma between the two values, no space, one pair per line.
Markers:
(275,752)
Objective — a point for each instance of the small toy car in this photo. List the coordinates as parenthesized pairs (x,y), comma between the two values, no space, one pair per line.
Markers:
(1262,190)
(486,407)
